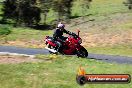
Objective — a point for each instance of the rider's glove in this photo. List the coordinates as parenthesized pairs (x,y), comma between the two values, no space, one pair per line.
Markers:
(73,34)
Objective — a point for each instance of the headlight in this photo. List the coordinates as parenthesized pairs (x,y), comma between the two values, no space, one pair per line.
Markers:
(80,41)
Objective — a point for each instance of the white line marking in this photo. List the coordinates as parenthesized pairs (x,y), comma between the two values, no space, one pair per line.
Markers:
(16,54)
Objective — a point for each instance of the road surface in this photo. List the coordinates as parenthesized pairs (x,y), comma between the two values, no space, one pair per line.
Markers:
(101,57)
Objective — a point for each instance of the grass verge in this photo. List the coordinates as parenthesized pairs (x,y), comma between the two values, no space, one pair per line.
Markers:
(59,72)
(112,50)
(27,34)
(25,37)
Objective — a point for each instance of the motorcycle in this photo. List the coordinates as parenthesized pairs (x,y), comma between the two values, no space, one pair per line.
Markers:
(71,46)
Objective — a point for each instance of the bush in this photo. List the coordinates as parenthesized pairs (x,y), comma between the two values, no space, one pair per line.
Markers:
(5,30)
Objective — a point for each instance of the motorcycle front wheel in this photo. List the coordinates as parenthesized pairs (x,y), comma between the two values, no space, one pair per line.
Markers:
(82,53)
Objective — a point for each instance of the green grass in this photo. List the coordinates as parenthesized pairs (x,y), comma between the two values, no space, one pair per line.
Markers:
(59,73)
(121,50)
(101,7)
(28,34)
(126,26)
(1,10)
(4,30)
(97,8)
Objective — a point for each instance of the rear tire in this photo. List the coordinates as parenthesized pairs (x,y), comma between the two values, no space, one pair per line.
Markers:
(82,53)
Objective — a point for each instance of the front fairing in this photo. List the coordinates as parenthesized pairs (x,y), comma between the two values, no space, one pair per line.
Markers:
(71,45)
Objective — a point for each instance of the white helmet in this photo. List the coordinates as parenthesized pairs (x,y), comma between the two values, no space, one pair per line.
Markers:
(60,25)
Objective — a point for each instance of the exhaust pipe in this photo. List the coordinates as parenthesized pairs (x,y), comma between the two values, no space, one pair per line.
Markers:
(52,50)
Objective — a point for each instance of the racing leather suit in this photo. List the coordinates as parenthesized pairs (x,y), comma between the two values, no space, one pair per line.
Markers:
(58,34)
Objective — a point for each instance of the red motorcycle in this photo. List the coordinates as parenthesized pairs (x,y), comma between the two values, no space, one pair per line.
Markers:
(71,46)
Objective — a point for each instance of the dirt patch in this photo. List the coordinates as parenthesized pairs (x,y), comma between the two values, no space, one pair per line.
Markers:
(107,39)
(100,22)
(8,59)
(29,44)
(106,31)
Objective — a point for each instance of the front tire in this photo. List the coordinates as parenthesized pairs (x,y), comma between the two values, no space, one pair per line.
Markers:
(82,53)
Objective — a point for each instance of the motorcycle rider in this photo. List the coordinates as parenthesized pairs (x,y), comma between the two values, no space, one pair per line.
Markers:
(58,35)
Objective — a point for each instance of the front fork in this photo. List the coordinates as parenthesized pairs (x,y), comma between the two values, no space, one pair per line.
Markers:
(79,47)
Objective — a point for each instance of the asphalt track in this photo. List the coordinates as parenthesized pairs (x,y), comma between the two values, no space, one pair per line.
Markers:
(101,57)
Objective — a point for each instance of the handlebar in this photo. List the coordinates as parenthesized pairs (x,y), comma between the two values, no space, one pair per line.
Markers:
(74,35)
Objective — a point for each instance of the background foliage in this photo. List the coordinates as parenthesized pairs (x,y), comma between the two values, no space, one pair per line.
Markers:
(28,12)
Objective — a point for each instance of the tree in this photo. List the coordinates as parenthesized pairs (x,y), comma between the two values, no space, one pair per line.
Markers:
(45,5)
(28,12)
(63,8)
(68,5)
(22,11)
(85,4)
(9,10)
